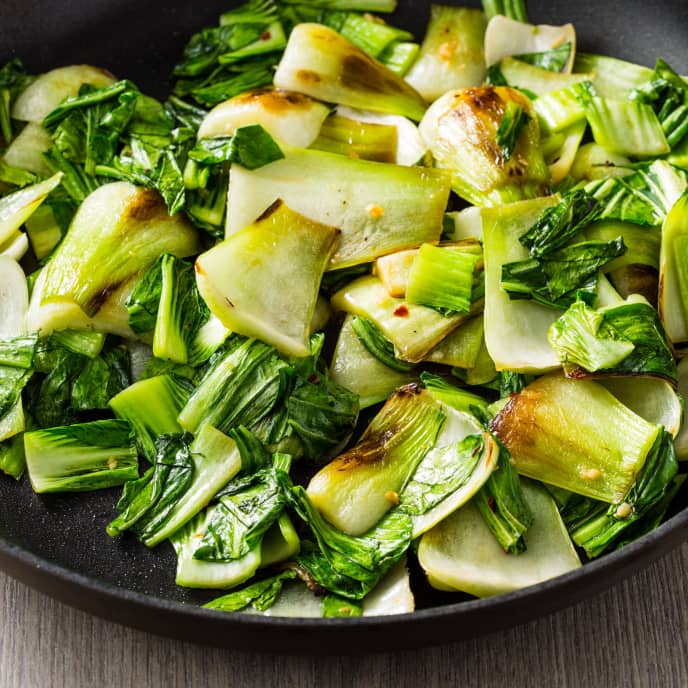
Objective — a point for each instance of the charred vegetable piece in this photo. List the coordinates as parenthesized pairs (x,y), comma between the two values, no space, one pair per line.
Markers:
(290,117)
(451,55)
(355,490)
(461,129)
(379,208)
(574,434)
(324,65)
(117,234)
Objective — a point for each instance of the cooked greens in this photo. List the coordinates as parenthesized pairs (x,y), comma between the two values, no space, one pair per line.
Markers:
(226,278)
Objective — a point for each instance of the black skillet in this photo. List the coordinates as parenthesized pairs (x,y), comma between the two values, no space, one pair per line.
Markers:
(58,544)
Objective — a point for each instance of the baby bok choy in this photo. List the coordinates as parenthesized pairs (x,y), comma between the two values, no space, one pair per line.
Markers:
(324,65)
(81,457)
(263,281)
(378,208)
(460,553)
(489,139)
(118,232)
(576,435)
(418,457)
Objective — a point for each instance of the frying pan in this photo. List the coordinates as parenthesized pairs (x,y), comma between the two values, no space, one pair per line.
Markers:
(58,544)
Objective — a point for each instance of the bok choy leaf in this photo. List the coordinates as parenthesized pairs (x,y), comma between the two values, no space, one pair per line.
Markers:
(148,502)
(625,340)
(82,457)
(562,276)
(246,509)
(599,533)
(667,94)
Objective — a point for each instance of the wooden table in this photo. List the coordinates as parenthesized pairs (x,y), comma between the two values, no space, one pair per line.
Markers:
(634,635)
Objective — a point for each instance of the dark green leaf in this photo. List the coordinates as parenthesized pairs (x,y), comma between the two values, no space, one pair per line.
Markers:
(147,503)
(553,60)
(640,324)
(442,472)
(261,594)
(250,146)
(627,339)
(511,382)
(643,197)
(253,454)
(342,557)
(562,276)
(88,97)
(247,507)
(13,80)
(559,224)
(323,415)
(514,120)
(12,457)
(101,378)
(144,300)
(243,383)
(503,506)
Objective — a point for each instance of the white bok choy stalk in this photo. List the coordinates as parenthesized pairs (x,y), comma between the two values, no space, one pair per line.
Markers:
(14,304)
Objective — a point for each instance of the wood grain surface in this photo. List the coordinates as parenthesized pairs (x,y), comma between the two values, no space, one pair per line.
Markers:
(634,635)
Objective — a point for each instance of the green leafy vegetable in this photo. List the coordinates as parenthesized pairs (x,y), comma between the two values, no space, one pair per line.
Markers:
(560,223)
(377,344)
(628,339)
(262,594)
(323,415)
(450,469)
(82,457)
(503,506)
(246,509)
(147,503)
(513,121)
(245,380)
(13,80)
(363,559)
(553,60)
(250,146)
(100,379)
(562,276)
(600,532)
(667,93)
(181,311)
